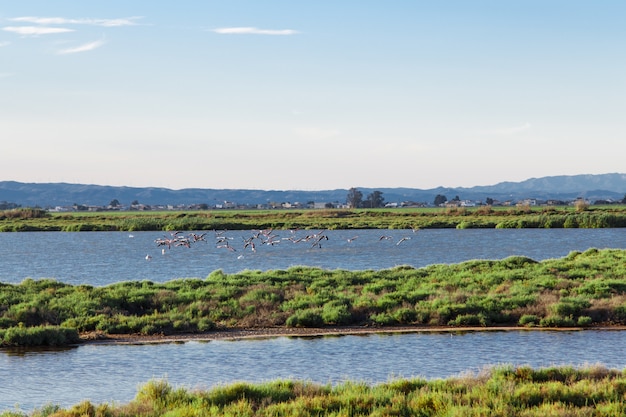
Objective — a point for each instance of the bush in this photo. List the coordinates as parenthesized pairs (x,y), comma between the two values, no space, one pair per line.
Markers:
(39,336)
(468,320)
(556,321)
(529,320)
(383,319)
(305,318)
(405,315)
(336,312)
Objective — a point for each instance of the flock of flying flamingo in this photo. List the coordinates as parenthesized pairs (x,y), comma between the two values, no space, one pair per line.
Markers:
(259,237)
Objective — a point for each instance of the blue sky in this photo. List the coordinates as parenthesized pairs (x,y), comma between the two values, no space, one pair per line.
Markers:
(310,95)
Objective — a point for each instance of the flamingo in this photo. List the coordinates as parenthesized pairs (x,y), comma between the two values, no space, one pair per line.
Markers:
(197,238)
(402,240)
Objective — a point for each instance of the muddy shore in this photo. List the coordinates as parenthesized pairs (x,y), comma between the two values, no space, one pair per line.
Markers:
(269,332)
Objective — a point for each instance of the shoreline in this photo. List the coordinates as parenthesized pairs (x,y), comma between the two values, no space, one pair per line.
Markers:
(273,332)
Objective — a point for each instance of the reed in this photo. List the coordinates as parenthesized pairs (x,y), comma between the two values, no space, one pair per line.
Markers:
(499,391)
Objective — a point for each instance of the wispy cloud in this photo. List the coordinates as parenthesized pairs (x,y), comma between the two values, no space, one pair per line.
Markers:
(254,31)
(5,43)
(126,21)
(35,30)
(509,130)
(90,46)
(6,74)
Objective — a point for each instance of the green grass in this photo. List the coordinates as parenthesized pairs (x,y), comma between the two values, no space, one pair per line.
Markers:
(481,217)
(504,391)
(581,289)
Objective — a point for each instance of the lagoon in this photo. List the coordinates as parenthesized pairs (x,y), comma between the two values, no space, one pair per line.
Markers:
(101,258)
(113,373)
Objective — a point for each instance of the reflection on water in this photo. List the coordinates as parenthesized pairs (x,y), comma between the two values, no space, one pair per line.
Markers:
(38,350)
(112,373)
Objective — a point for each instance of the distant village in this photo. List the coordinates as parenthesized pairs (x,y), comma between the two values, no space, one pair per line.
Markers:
(456,202)
(353,199)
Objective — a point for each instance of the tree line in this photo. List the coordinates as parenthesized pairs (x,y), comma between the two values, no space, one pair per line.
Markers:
(354,199)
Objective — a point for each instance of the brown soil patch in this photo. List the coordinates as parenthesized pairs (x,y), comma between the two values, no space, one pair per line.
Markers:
(269,332)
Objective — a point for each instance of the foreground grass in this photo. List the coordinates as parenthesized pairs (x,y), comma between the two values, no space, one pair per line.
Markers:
(581,289)
(503,391)
(405,218)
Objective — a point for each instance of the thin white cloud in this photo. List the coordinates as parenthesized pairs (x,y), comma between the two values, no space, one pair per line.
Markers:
(35,30)
(254,31)
(5,43)
(90,46)
(126,21)
(6,74)
(509,130)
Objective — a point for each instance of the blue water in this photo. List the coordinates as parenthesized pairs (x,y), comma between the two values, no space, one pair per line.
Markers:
(109,373)
(101,258)
(113,373)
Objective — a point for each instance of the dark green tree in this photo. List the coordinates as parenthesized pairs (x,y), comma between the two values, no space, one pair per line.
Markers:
(440,199)
(354,198)
(375,200)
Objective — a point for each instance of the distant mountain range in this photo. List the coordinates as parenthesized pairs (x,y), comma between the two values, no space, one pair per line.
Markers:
(563,187)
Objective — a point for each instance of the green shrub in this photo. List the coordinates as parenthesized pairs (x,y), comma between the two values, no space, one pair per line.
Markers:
(570,307)
(529,320)
(383,319)
(556,321)
(39,336)
(405,315)
(305,318)
(468,320)
(336,312)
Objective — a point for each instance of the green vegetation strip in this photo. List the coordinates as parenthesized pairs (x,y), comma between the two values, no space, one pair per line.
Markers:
(23,220)
(581,289)
(503,391)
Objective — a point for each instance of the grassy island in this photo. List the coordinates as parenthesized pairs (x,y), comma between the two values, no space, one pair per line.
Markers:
(22,220)
(503,391)
(580,290)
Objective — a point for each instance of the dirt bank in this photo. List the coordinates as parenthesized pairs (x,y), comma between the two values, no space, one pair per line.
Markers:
(262,333)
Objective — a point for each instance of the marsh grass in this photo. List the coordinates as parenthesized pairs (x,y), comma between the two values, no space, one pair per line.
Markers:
(404,218)
(582,289)
(499,391)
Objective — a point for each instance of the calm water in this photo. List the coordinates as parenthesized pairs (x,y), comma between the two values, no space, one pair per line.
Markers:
(113,373)
(100,258)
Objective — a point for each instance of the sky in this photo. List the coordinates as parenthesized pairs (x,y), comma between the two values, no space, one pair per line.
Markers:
(310,95)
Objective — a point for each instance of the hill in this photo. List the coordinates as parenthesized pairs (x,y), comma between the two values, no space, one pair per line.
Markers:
(565,187)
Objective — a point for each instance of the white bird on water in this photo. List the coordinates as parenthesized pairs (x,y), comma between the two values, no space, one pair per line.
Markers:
(148,257)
